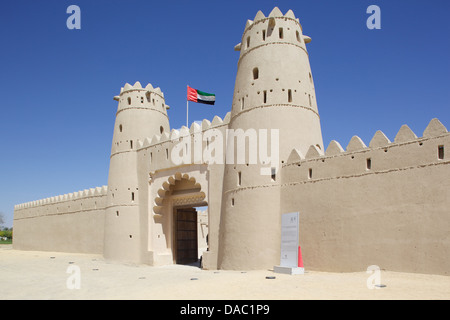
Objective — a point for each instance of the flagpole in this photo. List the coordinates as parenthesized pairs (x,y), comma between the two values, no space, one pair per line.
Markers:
(187,113)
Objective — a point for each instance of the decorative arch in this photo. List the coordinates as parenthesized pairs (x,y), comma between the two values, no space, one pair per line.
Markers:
(194,195)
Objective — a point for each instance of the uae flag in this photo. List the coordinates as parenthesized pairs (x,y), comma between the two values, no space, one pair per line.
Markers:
(200,96)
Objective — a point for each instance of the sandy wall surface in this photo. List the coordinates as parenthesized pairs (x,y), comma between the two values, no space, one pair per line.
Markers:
(43,275)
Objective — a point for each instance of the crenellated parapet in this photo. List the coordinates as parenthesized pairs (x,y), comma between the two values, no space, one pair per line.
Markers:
(138,97)
(84,200)
(406,151)
(158,149)
(184,131)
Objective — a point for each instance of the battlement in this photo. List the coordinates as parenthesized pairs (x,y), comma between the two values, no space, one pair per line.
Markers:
(274,14)
(183,132)
(407,151)
(137,86)
(79,195)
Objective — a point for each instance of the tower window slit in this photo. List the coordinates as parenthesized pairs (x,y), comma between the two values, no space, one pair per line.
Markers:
(242,103)
(129,101)
(248,42)
(368,163)
(274,174)
(131,144)
(289,95)
(255,73)
(265,96)
(264,35)
(298,36)
(441,152)
(310,173)
(280,33)
(239,178)
(132,196)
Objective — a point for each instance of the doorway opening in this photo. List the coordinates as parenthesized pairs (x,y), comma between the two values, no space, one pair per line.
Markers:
(190,235)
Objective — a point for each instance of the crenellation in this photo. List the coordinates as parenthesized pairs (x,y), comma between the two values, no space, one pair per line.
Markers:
(434,129)
(79,195)
(405,134)
(334,148)
(313,152)
(355,144)
(379,139)
(381,156)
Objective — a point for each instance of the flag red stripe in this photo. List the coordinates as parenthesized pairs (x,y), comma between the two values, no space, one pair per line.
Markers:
(191,94)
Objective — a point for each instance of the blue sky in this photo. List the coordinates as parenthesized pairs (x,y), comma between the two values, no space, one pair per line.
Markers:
(57,85)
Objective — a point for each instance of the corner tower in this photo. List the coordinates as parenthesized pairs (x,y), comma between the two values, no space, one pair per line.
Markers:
(274,89)
(142,112)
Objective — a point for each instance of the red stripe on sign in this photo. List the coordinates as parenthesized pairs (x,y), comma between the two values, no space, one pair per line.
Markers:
(191,94)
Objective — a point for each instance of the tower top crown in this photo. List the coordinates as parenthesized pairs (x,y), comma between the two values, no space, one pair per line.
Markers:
(275,13)
(138,86)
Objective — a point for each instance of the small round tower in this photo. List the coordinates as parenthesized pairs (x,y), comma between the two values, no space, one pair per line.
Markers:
(274,90)
(142,113)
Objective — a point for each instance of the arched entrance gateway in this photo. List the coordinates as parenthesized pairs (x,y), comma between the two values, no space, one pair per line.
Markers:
(180,219)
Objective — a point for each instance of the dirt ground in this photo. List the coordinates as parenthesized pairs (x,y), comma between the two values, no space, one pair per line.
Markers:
(61,276)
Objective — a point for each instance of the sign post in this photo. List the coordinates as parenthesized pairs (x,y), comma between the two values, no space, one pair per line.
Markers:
(290,258)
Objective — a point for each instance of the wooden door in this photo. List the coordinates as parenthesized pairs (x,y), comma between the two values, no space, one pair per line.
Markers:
(186,236)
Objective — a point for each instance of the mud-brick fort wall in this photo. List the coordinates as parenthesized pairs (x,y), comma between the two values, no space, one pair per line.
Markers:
(387,204)
(72,222)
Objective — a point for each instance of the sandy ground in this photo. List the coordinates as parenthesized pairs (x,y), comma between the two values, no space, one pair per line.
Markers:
(49,275)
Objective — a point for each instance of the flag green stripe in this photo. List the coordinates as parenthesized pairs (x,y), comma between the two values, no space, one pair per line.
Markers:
(205,93)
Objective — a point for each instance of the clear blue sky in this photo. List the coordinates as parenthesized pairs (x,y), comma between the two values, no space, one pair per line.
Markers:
(57,85)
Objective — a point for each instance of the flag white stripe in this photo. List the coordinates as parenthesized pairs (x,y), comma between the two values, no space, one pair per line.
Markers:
(206,98)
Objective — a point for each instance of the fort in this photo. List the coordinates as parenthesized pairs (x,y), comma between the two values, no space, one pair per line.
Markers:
(384,203)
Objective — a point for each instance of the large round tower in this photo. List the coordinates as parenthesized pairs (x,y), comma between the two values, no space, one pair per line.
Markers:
(141,113)
(274,90)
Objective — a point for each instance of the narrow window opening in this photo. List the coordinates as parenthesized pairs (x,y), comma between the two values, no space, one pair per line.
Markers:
(255,73)
(280,33)
(148,96)
(161,129)
(129,101)
(242,103)
(368,163)
(151,157)
(265,96)
(153,101)
(248,42)
(441,152)
(132,196)
(239,178)
(264,35)
(120,128)
(298,36)
(131,144)
(274,174)
(310,173)
(232,202)
(117,213)
(167,153)
(289,95)
(131,236)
